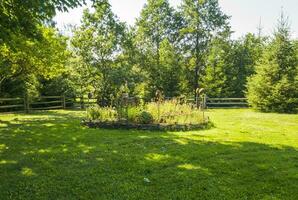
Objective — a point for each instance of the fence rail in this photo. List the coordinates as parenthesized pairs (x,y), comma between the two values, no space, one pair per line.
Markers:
(44,103)
(226,102)
(61,102)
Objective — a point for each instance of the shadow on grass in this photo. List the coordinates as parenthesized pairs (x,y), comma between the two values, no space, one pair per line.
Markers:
(56,158)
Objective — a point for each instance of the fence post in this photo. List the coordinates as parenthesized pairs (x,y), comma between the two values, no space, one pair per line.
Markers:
(26,103)
(204,101)
(63,102)
(197,98)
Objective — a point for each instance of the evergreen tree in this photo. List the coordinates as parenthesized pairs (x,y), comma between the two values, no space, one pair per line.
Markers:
(274,87)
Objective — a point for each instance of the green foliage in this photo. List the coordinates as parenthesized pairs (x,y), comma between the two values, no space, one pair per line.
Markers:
(33,59)
(174,111)
(202,21)
(144,117)
(170,70)
(98,43)
(274,87)
(229,63)
(133,113)
(157,31)
(97,113)
(166,112)
(21,18)
(171,50)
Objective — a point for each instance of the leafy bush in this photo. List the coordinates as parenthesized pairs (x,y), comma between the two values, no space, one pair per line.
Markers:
(101,113)
(144,117)
(138,115)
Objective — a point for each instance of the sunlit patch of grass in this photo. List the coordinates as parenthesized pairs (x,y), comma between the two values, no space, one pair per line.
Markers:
(3,147)
(181,141)
(44,151)
(194,167)
(157,157)
(26,171)
(188,166)
(3,162)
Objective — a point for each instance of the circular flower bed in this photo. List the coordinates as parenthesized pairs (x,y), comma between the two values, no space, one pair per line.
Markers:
(165,116)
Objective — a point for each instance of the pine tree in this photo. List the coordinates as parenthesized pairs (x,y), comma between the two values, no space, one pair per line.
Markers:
(274,87)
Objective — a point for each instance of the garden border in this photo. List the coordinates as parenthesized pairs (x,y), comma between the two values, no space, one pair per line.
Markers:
(149,127)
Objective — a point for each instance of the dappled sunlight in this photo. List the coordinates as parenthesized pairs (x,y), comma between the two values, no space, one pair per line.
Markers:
(3,162)
(157,157)
(49,124)
(188,166)
(99,159)
(85,148)
(44,151)
(26,171)
(143,137)
(181,141)
(3,147)
(194,167)
(2,125)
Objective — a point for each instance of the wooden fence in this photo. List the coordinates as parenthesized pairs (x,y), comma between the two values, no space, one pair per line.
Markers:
(226,102)
(43,103)
(61,102)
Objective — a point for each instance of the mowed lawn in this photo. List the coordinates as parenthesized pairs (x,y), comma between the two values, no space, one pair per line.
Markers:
(247,155)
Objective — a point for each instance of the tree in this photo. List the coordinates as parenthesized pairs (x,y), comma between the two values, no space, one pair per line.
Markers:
(247,52)
(98,43)
(274,87)
(217,74)
(19,18)
(32,59)
(230,63)
(170,69)
(157,23)
(203,20)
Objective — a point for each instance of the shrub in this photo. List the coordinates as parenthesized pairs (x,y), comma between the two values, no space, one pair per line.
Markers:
(133,113)
(144,117)
(101,113)
(138,115)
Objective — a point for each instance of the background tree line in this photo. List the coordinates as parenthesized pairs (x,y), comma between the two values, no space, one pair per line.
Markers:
(167,49)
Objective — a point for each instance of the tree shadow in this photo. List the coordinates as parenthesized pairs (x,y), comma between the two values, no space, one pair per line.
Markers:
(56,158)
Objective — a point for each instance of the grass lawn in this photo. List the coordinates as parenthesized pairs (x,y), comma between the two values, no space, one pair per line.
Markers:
(247,155)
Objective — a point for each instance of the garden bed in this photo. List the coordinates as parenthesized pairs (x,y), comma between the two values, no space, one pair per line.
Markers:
(150,127)
(169,115)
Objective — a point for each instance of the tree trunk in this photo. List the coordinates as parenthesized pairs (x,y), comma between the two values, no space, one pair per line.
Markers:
(197,67)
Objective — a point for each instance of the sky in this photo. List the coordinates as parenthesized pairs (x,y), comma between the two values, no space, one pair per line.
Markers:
(245,14)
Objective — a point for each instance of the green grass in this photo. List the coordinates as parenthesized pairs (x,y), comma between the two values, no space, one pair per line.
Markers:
(247,155)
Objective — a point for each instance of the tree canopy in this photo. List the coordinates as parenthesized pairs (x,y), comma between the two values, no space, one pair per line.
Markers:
(171,50)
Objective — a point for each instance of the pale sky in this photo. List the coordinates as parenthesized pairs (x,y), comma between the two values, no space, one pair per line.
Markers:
(245,14)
